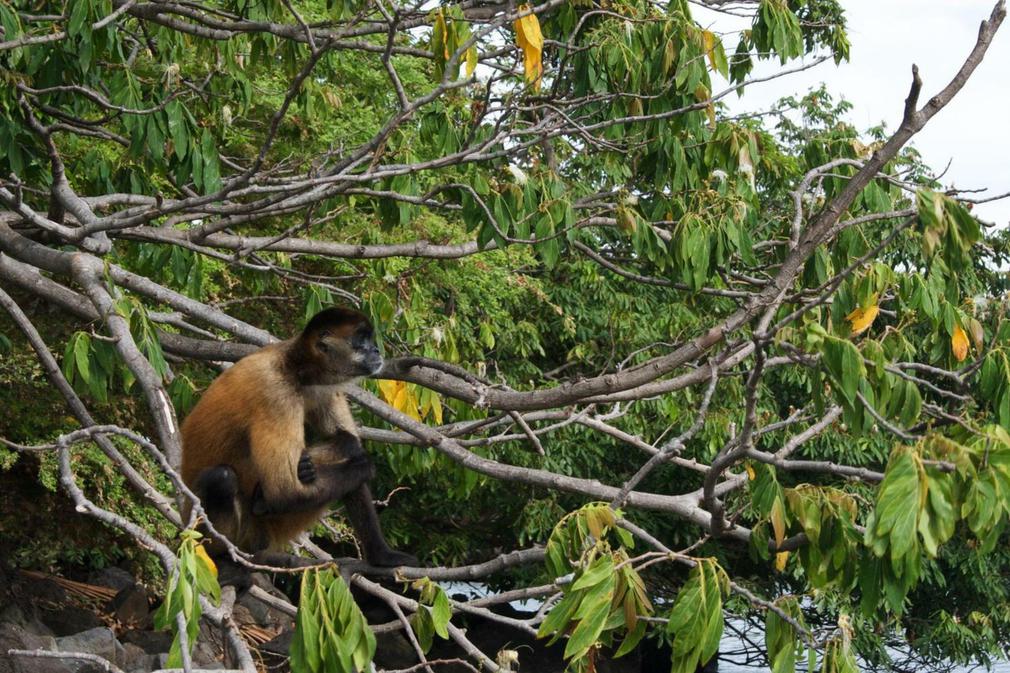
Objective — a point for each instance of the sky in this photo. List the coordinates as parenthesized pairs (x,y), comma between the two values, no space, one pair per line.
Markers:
(888,36)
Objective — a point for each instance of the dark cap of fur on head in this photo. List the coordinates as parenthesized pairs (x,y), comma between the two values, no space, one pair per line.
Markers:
(334,318)
(302,361)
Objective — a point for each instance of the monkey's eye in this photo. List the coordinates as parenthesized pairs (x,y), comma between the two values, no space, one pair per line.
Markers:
(324,346)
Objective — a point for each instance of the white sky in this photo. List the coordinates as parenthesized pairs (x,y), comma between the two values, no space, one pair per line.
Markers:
(887,37)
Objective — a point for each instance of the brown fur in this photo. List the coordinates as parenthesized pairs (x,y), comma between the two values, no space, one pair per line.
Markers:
(244,440)
(251,418)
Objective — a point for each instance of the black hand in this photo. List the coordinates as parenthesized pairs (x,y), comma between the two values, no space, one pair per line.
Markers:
(306,470)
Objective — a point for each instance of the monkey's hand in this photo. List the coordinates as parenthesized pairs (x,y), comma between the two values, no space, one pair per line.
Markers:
(306,470)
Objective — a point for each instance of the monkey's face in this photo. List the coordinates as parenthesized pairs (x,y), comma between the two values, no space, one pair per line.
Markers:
(348,356)
(365,352)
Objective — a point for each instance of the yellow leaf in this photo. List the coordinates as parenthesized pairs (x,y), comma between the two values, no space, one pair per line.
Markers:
(861,150)
(778,519)
(201,554)
(402,400)
(977,334)
(751,474)
(780,560)
(959,343)
(626,220)
(531,41)
(708,38)
(410,403)
(400,396)
(436,408)
(862,318)
(471,60)
(390,389)
(441,33)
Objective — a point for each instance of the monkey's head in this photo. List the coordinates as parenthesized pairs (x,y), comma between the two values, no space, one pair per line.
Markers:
(341,346)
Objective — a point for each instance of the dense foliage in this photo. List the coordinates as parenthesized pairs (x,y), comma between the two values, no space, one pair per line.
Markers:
(705,367)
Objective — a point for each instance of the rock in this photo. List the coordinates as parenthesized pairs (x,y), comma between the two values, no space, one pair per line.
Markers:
(281,644)
(148,663)
(132,657)
(152,642)
(11,613)
(131,606)
(393,650)
(99,641)
(242,615)
(114,578)
(259,612)
(120,650)
(207,653)
(69,619)
(35,627)
(37,590)
(14,637)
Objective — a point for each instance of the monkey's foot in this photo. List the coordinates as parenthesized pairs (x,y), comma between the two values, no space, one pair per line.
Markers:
(390,558)
(233,574)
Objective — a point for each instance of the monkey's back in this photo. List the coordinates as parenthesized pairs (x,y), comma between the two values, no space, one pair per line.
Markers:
(217,430)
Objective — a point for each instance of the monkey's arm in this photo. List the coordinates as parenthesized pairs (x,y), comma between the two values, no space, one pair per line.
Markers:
(328,471)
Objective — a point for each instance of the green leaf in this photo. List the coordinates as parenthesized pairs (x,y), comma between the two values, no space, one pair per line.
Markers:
(559,616)
(79,22)
(590,626)
(440,614)
(596,573)
(845,365)
(331,634)
(898,503)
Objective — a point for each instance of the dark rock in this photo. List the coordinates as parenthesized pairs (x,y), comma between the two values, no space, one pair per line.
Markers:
(35,627)
(147,664)
(242,615)
(114,578)
(132,657)
(5,580)
(99,641)
(281,644)
(11,613)
(14,637)
(68,620)
(152,642)
(207,653)
(262,613)
(131,606)
(40,590)
(120,651)
(393,650)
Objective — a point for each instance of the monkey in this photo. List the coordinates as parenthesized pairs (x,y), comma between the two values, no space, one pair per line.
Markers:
(272,443)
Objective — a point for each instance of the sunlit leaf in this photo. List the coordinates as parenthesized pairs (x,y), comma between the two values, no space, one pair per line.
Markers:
(201,553)
(959,343)
(860,318)
(531,41)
